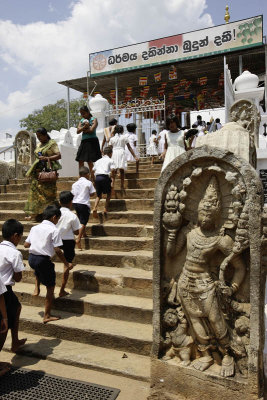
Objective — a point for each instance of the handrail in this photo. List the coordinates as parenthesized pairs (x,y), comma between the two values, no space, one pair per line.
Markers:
(7,148)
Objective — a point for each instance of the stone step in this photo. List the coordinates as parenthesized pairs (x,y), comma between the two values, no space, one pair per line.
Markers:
(117,194)
(145,167)
(104,332)
(148,173)
(145,161)
(122,281)
(115,204)
(140,175)
(105,305)
(141,259)
(66,184)
(86,356)
(106,229)
(119,217)
(115,243)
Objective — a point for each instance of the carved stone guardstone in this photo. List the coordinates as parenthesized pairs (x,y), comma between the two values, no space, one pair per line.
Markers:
(208,322)
(240,135)
(25,144)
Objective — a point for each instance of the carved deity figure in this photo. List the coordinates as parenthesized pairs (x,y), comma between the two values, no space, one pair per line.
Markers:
(202,296)
(24,153)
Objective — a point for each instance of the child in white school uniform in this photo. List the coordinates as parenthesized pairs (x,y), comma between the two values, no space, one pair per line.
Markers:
(82,190)
(4,367)
(152,148)
(44,241)
(118,142)
(11,267)
(68,226)
(104,170)
(132,137)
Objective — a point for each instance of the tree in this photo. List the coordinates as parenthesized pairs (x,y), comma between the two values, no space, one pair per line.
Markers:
(53,116)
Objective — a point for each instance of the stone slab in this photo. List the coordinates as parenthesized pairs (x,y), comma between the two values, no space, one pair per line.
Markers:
(103,332)
(105,305)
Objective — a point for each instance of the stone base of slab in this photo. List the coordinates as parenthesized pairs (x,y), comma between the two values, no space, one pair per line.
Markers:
(172,382)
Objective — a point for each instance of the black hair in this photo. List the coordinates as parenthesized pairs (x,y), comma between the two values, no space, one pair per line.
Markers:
(10,227)
(199,117)
(86,109)
(194,126)
(113,122)
(43,132)
(208,123)
(108,150)
(131,127)
(191,132)
(172,118)
(65,197)
(83,171)
(154,132)
(118,129)
(51,211)
(217,120)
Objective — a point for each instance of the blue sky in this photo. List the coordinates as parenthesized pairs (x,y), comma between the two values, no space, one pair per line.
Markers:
(28,11)
(44,41)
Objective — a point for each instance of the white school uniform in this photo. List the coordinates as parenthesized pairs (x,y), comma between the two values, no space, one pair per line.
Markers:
(176,147)
(104,166)
(43,239)
(10,261)
(119,157)
(152,148)
(3,289)
(81,190)
(161,142)
(68,224)
(132,137)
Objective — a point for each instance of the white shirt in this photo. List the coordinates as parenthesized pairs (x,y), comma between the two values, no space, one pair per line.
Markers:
(10,261)
(43,238)
(68,224)
(103,166)
(119,141)
(2,287)
(81,190)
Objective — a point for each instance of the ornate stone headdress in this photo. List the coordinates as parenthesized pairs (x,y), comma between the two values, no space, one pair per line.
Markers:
(211,198)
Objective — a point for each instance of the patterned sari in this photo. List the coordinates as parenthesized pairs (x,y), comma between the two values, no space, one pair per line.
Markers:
(41,194)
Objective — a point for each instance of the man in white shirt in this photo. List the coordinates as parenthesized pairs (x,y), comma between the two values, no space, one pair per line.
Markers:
(44,241)
(104,170)
(82,190)
(11,267)
(68,226)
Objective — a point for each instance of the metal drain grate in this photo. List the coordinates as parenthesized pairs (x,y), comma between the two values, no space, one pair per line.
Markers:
(23,384)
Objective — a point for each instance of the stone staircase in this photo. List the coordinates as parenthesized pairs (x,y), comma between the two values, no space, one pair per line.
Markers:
(106,320)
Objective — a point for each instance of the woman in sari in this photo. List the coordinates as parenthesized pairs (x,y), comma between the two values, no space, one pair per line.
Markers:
(41,194)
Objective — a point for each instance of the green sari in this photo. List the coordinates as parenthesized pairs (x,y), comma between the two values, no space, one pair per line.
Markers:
(41,194)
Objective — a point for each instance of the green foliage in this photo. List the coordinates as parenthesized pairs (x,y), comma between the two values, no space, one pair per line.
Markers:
(53,116)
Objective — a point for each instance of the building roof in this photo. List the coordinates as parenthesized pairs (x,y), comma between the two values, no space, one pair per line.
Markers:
(211,67)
